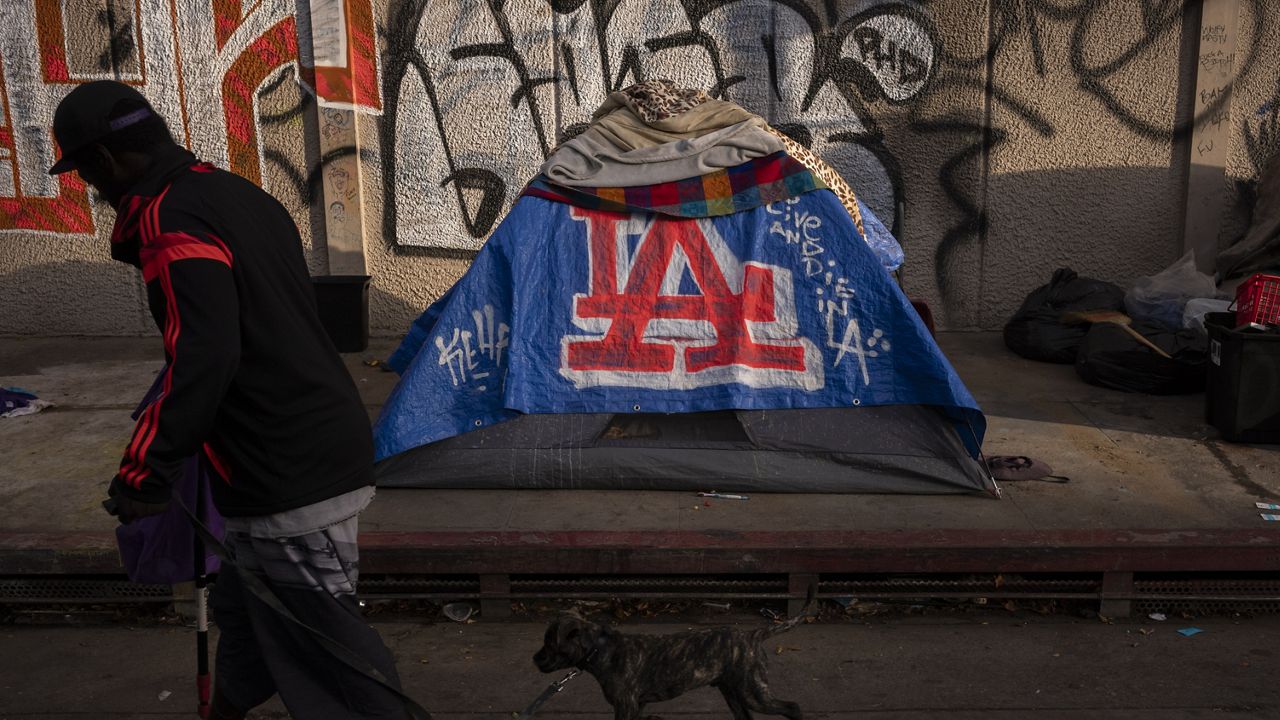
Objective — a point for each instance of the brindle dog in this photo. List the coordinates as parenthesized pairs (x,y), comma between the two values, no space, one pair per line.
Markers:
(634,670)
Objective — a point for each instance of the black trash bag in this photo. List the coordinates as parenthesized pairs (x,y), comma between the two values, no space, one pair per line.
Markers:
(1036,331)
(1112,358)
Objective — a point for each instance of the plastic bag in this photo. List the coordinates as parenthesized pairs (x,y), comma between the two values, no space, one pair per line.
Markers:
(1195,310)
(1036,331)
(1160,298)
(882,242)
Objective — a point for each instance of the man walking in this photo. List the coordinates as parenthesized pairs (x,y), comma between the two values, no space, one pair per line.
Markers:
(253,383)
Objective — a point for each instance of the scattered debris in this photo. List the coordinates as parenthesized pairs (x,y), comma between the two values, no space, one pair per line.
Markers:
(1145,631)
(1269,517)
(716,605)
(16,402)
(164,695)
(459,611)
(771,614)
(1189,631)
(1266,506)
(1158,617)
(372,362)
(723,496)
(780,649)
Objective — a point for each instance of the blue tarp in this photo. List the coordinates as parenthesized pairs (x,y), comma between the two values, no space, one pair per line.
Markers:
(568,310)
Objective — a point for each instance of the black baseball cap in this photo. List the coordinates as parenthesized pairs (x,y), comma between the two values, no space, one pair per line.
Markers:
(84,117)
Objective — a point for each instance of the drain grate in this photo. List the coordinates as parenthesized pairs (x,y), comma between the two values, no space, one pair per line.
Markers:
(91,591)
(1208,595)
(1204,594)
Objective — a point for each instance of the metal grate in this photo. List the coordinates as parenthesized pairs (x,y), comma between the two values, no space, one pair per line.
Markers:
(400,587)
(1253,595)
(1196,594)
(27,591)
(967,585)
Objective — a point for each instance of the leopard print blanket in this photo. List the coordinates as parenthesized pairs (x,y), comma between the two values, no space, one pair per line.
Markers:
(828,174)
(655,100)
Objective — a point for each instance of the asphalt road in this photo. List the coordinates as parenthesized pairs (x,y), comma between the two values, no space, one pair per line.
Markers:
(993,665)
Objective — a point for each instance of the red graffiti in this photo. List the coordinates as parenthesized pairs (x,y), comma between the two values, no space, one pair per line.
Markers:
(67,212)
(636,302)
(354,81)
(274,48)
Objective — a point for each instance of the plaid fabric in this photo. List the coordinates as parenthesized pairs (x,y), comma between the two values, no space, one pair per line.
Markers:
(754,183)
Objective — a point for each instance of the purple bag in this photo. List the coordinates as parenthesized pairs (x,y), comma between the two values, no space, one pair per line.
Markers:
(161,549)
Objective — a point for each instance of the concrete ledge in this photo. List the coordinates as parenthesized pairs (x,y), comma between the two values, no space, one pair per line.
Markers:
(727,552)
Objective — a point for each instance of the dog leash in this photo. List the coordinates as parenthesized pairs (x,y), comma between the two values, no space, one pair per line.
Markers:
(547,694)
(263,592)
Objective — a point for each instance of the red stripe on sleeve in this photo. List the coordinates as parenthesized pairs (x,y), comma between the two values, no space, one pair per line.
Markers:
(173,326)
(219,465)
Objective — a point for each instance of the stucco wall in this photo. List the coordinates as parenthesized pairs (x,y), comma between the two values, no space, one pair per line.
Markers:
(1020,134)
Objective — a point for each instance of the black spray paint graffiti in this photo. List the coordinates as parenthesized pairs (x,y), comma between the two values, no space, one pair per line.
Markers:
(120,42)
(1262,132)
(1102,59)
(307,184)
(828,75)
(861,56)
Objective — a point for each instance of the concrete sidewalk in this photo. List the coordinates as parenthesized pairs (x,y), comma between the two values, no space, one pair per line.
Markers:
(1146,475)
(986,666)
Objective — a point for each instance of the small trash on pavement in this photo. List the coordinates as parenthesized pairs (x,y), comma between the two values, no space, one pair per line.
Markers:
(1269,517)
(1189,631)
(716,605)
(459,611)
(164,695)
(723,496)
(16,402)
(1158,617)
(1266,506)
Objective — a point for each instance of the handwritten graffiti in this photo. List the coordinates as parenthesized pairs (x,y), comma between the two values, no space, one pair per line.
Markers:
(799,228)
(474,356)
(677,309)
(815,73)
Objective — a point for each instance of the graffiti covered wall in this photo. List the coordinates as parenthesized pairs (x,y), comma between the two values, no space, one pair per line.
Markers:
(1017,135)
(235,81)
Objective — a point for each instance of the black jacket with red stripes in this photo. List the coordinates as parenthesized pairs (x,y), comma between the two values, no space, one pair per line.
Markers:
(253,381)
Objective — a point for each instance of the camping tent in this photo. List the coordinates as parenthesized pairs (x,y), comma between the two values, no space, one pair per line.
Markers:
(764,348)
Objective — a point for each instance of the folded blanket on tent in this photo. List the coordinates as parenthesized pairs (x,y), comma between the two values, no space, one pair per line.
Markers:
(724,192)
(657,132)
(570,309)
(590,161)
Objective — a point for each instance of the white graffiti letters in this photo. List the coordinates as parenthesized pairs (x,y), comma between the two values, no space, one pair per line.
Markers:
(472,356)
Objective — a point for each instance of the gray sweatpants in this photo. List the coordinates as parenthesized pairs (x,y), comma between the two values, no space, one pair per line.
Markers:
(261,653)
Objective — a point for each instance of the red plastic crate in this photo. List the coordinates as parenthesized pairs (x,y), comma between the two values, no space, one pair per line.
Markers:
(1258,300)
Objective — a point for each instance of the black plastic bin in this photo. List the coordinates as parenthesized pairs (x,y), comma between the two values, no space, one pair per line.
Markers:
(1242,397)
(343,302)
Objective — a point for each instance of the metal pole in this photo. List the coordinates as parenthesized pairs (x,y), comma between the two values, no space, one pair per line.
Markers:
(202,610)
